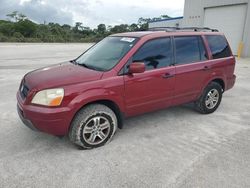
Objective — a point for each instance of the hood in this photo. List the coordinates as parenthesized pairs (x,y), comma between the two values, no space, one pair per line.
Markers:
(60,75)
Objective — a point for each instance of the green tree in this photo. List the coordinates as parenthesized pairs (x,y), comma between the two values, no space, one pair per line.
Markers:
(78,27)
(20,28)
(143,23)
(133,27)
(66,26)
(109,28)
(165,16)
(101,28)
(16,16)
(18,37)
(7,28)
(3,38)
(87,31)
(26,27)
(13,16)
(120,28)
(21,17)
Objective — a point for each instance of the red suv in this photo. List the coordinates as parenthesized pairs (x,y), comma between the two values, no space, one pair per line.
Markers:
(125,75)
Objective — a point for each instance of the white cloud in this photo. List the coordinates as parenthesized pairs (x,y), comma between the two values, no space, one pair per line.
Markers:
(92,12)
(23,1)
(112,11)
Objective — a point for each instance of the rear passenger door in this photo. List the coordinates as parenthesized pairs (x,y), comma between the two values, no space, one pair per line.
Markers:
(192,69)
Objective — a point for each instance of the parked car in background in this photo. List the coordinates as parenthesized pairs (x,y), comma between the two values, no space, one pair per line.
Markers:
(125,75)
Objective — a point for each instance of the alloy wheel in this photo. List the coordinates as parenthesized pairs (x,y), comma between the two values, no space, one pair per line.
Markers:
(212,98)
(96,130)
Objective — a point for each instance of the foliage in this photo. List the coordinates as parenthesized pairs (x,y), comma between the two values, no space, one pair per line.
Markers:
(26,27)
(20,29)
(101,28)
(15,15)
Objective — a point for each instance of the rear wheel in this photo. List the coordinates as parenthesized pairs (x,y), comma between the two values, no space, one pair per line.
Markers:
(210,99)
(93,126)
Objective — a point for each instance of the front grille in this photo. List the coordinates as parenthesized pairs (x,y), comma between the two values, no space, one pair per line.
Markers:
(24,90)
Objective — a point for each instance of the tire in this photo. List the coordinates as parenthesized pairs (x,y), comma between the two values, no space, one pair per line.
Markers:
(210,99)
(93,126)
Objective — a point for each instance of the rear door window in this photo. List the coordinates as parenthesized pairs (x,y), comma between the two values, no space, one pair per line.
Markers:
(218,46)
(189,49)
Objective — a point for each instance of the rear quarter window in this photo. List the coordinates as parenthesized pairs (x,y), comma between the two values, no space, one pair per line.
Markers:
(218,46)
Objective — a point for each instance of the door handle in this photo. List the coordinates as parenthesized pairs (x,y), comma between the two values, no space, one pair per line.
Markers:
(167,75)
(206,68)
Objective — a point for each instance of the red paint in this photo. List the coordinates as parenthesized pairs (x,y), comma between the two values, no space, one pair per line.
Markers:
(133,93)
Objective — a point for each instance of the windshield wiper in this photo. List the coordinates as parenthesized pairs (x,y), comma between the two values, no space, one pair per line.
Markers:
(73,61)
(86,66)
(90,67)
(82,64)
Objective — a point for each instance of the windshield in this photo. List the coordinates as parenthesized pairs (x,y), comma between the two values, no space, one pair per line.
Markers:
(107,53)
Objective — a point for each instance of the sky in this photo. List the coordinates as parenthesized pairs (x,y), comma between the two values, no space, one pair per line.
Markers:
(91,12)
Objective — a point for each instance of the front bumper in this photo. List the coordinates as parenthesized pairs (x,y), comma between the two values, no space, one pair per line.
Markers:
(55,121)
(26,122)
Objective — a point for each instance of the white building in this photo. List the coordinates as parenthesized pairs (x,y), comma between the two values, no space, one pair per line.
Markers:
(231,17)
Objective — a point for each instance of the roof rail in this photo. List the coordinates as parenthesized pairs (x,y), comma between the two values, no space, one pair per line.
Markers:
(169,29)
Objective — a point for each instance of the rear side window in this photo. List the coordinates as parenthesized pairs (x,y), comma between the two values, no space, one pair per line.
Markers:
(189,49)
(219,46)
(155,53)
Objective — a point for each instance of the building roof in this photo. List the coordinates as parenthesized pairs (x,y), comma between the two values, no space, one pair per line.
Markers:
(167,19)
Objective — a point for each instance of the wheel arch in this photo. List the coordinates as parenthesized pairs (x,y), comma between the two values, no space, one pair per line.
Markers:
(217,79)
(109,103)
(220,81)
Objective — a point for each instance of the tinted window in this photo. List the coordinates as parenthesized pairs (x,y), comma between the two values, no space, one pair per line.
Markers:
(219,46)
(189,49)
(155,53)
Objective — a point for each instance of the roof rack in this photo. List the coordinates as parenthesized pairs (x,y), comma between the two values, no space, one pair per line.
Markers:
(169,29)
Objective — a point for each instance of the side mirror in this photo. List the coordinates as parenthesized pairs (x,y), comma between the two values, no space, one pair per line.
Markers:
(136,67)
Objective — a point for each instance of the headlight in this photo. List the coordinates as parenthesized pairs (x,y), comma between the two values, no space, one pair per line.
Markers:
(49,97)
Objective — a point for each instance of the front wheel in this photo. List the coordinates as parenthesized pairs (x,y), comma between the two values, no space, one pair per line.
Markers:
(93,126)
(210,99)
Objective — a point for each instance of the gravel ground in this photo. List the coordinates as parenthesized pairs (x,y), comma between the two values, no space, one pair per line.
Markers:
(176,147)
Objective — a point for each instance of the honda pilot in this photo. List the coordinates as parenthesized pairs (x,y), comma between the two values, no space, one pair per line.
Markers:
(125,75)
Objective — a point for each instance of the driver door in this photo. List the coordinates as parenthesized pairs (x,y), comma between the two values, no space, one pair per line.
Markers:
(154,88)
